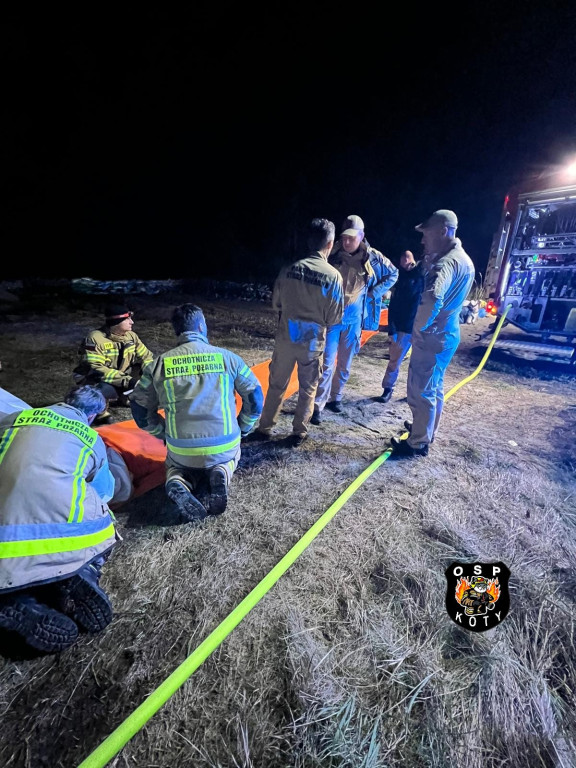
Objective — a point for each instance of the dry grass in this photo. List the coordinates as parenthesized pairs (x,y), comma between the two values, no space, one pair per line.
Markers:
(351,659)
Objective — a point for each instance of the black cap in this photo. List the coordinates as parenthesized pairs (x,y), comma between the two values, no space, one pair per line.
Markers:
(116,313)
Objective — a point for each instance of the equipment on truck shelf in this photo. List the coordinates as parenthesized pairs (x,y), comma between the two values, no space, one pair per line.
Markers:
(532,263)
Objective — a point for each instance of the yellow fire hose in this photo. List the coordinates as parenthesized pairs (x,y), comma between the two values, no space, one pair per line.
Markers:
(142,714)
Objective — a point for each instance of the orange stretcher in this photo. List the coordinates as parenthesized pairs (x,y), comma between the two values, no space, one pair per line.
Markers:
(145,455)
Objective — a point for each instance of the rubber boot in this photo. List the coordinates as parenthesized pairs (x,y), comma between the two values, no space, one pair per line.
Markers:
(385,396)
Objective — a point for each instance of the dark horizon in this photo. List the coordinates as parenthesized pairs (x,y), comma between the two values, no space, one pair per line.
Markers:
(192,148)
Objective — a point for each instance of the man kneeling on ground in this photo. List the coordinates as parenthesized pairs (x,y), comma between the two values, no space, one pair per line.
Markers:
(194,384)
(56,529)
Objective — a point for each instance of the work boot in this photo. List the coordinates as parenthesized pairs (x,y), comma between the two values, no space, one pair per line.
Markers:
(256,436)
(82,598)
(408,427)
(181,494)
(402,449)
(335,406)
(295,440)
(41,627)
(385,396)
(218,491)
(316,417)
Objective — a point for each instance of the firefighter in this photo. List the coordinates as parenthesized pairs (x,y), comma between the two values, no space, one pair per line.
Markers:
(56,529)
(112,357)
(308,296)
(476,599)
(366,276)
(449,274)
(194,384)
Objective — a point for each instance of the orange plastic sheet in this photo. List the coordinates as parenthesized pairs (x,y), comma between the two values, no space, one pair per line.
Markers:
(145,455)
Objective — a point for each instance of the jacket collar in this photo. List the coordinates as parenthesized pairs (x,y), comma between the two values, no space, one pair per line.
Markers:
(114,336)
(188,336)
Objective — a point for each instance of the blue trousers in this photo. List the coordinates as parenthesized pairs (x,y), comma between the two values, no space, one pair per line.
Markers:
(342,343)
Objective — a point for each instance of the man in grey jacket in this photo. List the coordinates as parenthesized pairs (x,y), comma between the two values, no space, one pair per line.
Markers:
(187,399)
(56,529)
(436,331)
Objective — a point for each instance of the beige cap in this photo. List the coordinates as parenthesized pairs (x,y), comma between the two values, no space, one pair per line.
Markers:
(352,226)
(443,218)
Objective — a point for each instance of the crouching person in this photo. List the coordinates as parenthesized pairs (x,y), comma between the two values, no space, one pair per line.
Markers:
(194,385)
(56,529)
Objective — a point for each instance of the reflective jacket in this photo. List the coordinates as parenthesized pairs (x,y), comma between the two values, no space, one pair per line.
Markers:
(54,486)
(195,385)
(379,276)
(308,296)
(107,357)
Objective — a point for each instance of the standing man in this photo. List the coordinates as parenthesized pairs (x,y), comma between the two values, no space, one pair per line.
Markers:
(308,296)
(112,358)
(195,384)
(56,529)
(401,313)
(436,331)
(366,276)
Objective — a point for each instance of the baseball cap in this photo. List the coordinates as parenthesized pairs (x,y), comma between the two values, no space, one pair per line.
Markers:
(115,313)
(443,218)
(352,226)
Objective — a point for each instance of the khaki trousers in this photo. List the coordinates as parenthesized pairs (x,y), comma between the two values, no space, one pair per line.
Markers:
(431,354)
(309,364)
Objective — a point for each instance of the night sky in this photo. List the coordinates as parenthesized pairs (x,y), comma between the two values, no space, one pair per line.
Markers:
(151,145)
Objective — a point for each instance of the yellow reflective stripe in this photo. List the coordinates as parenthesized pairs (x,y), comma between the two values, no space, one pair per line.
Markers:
(144,353)
(170,410)
(9,435)
(79,488)
(52,546)
(204,450)
(224,405)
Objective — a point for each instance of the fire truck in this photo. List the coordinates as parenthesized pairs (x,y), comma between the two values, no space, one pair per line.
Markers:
(532,263)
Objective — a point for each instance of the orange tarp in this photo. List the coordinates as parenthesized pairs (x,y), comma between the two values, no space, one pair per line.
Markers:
(144,455)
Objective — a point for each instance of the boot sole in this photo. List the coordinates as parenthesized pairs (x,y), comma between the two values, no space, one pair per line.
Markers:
(90,606)
(187,503)
(218,494)
(49,633)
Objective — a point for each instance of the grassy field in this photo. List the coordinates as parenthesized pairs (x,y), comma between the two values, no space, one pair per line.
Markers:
(351,660)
